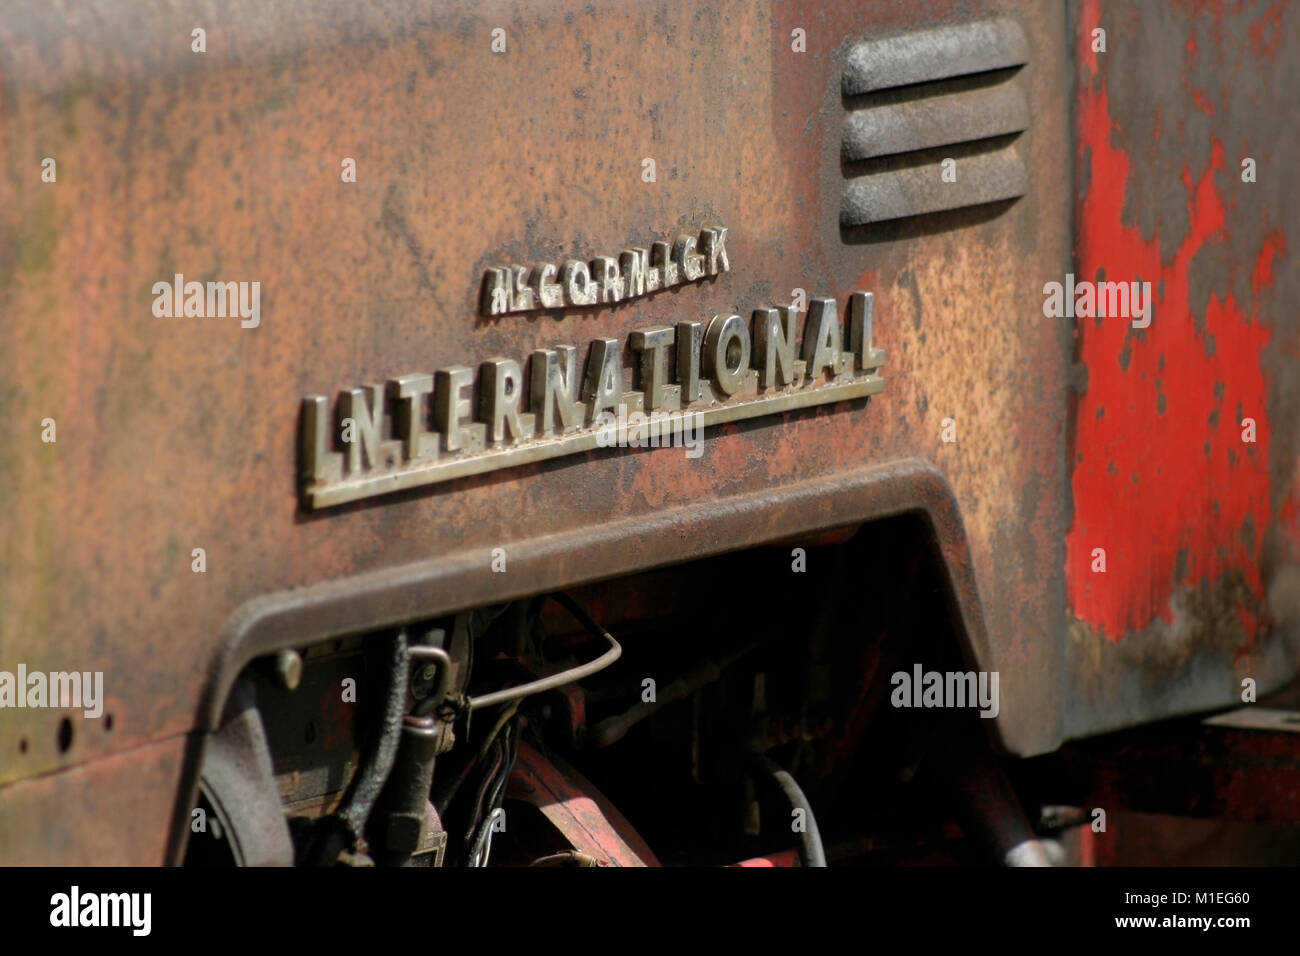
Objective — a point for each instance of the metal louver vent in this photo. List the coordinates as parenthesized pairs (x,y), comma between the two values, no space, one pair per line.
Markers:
(917,99)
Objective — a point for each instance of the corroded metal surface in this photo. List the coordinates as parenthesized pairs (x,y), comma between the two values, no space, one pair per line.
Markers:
(114,811)
(579,813)
(179,433)
(1201,529)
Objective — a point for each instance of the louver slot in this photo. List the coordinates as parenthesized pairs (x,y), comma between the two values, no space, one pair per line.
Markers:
(934,55)
(988,177)
(920,124)
(909,95)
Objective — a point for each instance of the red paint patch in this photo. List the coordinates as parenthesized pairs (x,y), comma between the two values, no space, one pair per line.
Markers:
(1262,276)
(1266,32)
(1179,483)
(1194,10)
(1087,56)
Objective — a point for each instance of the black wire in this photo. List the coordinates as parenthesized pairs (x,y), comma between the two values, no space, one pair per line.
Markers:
(367,784)
(344,829)
(810,839)
(497,790)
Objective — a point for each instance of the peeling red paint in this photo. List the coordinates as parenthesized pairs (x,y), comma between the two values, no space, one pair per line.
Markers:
(1182,479)
(1197,9)
(1266,32)
(1262,277)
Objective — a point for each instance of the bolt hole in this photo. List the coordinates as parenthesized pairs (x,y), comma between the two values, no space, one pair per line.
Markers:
(65,735)
(108,722)
(22,746)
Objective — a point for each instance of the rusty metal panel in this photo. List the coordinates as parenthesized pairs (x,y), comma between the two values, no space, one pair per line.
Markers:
(176,434)
(1201,528)
(112,811)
